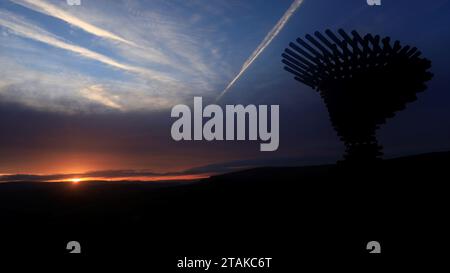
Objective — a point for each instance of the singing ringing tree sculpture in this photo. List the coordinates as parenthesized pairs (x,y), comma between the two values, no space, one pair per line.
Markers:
(362,80)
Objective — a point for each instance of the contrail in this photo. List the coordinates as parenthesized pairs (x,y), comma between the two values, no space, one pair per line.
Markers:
(267,40)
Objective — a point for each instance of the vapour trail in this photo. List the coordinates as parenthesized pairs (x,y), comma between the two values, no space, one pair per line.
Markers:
(267,40)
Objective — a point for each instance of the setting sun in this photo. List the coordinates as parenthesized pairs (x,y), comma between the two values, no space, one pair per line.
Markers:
(75,180)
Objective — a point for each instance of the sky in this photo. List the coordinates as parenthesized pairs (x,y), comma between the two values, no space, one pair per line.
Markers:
(89,88)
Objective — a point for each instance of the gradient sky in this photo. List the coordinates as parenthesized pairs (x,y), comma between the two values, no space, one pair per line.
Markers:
(88,88)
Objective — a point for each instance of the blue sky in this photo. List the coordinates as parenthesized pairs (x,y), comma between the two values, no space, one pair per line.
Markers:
(94,83)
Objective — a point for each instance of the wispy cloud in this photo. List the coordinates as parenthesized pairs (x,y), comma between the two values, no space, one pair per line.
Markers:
(21,27)
(168,65)
(266,42)
(60,89)
(54,11)
(98,94)
(155,54)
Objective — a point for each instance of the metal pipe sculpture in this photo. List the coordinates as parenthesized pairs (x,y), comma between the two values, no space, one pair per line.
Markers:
(362,80)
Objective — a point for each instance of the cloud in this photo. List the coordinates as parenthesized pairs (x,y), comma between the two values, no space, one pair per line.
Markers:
(106,174)
(206,170)
(97,93)
(162,78)
(158,53)
(54,11)
(95,175)
(58,89)
(20,27)
(266,42)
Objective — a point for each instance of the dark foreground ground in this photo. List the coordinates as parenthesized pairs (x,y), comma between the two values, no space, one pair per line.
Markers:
(298,216)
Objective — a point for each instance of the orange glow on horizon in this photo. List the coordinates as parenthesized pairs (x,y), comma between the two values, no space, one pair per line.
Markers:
(137,178)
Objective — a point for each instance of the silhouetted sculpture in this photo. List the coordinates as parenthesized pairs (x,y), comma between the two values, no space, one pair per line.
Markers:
(362,82)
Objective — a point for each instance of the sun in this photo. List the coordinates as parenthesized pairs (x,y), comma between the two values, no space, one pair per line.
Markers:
(75,180)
